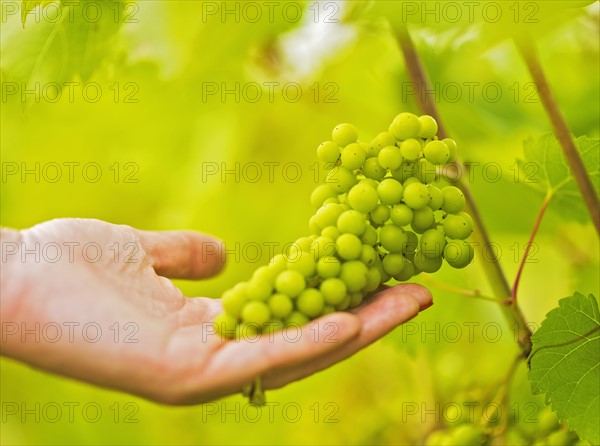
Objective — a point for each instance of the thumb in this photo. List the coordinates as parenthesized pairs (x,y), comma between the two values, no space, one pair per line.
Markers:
(183,254)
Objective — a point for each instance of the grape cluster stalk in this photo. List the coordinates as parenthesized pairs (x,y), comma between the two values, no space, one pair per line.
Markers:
(378,217)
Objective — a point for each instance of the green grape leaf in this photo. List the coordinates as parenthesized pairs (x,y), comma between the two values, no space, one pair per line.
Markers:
(565,363)
(28,5)
(546,170)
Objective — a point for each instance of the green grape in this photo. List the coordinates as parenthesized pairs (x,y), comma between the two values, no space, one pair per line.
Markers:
(390,157)
(390,191)
(372,169)
(304,263)
(349,246)
(281,306)
(225,324)
(290,282)
(411,149)
(246,330)
(451,144)
(344,304)
(301,244)
(344,134)
(234,299)
(436,198)
(454,200)
(354,274)
(401,215)
(368,255)
(296,319)
(321,193)
(355,299)
(328,266)
(323,246)
(328,309)
(369,182)
(352,222)
(561,438)
(256,312)
(310,302)
(412,243)
(363,197)
(369,237)
(467,435)
(380,214)
(259,288)
(427,264)
(416,195)
(340,179)
(405,126)
(392,238)
(328,214)
(423,219)
(331,200)
(382,140)
(458,253)
(428,127)
(334,291)
(432,243)
(373,279)
(313,226)
(407,272)
(467,218)
(328,152)
(425,172)
(278,264)
(548,421)
(457,227)
(393,263)
(436,152)
(411,180)
(404,172)
(353,156)
(331,232)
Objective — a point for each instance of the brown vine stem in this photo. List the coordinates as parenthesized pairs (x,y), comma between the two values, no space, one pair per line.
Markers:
(527,49)
(534,231)
(490,262)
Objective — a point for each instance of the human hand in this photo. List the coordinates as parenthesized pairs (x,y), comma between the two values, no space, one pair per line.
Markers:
(143,336)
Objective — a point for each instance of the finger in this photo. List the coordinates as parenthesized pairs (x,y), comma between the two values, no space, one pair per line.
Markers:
(183,254)
(387,309)
(238,363)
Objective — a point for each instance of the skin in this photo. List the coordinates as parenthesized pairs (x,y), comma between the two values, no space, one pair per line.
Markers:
(168,352)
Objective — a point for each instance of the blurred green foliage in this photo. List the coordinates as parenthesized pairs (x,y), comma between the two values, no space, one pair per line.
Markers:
(154,64)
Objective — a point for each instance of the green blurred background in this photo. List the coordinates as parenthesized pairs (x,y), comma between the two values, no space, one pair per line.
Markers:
(153,61)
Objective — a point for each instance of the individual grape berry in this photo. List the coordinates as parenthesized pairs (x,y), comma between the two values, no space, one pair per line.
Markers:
(352,222)
(296,319)
(313,226)
(428,127)
(432,243)
(454,200)
(382,140)
(354,274)
(290,282)
(256,312)
(328,266)
(321,193)
(416,195)
(393,263)
(412,243)
(246,330)
(225,324)
(427,264)
(392,238)
(328,214)
(363,197)
(401,215)
(278,264)
(353,156)
(369,237)
(349,246)
(368,255)
(372,169)
(436,198)
(407,272)
(451,144)
(373,279)
(340,179)
(436,152)
(380,214)
(334,291)
(259,288)
(356,299)
(411,149)
(468,435)
(328,152)
(457,227)
(323,246)
(423,219)
(390,157)
(390,191)
(405,126)
(304,263)
(331,232)
(310,302)
(425,171)
(344,134)
(234,299)
(327,309)
(458,253)
(406,170)
(281,306)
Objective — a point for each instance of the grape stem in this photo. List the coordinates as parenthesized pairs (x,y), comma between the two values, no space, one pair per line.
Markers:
(476,293)
(491,266)
(534,231)
(526,47)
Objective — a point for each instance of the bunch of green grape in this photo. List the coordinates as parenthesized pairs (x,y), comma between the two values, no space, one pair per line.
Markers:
(377,217)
